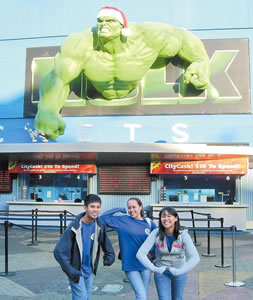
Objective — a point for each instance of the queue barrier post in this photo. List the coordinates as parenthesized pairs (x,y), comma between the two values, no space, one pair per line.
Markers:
(6,273)
(232,229)
(208,254)
(33,218)
(36,224)
(61,227)
(234,283)
(222,265)
(65,219)
(196,243)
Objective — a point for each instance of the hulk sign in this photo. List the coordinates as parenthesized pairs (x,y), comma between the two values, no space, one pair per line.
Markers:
(114,57)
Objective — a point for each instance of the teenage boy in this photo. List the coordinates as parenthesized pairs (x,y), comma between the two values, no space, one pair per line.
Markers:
(78,249)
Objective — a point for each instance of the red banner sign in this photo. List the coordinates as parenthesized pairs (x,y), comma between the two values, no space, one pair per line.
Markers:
(51,168)
(193,156)
(233,166)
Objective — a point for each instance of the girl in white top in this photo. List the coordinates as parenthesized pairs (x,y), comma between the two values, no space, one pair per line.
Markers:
(170,266)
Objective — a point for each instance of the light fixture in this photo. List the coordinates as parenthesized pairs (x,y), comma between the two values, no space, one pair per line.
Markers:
(185,177)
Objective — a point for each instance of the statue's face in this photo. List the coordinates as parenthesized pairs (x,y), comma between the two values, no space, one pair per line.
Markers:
(108,27)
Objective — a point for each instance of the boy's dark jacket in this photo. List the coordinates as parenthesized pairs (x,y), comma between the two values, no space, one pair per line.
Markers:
(68,250)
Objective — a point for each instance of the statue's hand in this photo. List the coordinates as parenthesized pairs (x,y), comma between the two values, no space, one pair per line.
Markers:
(198,75)
(49,123)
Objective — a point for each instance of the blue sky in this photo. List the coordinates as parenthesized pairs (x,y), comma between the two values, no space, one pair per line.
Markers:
(24,18)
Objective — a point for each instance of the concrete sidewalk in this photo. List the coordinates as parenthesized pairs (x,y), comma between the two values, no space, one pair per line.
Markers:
(38,276)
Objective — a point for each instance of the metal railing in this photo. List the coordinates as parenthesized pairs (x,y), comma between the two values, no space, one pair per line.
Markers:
(62,217)
(31,218)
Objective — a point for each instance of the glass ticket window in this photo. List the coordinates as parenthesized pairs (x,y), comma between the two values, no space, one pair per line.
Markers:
(46,187)
(200,188)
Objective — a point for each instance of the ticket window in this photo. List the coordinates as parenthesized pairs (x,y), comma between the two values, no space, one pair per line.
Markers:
(65,187)
(200,188)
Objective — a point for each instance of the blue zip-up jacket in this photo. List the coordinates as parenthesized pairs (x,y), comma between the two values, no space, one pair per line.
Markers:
(69,249)
(131,233)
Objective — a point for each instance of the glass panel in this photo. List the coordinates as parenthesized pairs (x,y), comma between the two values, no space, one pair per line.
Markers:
(200,188)
(68,186)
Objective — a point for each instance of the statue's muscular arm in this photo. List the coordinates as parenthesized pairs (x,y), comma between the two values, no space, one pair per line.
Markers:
(193,51)
(54,88)
(174,41)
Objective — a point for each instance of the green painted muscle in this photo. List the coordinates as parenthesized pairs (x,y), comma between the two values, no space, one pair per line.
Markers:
(115,64)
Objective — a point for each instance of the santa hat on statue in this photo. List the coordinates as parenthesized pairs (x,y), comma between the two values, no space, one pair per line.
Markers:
(109,11)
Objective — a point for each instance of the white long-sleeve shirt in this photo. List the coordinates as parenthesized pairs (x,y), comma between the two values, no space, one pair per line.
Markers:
(174,260)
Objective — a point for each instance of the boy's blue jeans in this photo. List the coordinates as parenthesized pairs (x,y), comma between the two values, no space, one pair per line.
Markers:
(83,289)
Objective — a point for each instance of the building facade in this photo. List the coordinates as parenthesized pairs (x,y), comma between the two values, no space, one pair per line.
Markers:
(156,113)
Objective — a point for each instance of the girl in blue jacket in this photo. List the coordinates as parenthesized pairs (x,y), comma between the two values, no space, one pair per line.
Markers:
(132,229)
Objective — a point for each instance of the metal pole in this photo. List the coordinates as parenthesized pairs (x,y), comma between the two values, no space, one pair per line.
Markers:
(32,243)
(234,283)
(194,231)
(65,221)
(208,238)
(32,226)
(222,265)
(6,273)
(36,227)
(61,231)
(36,224)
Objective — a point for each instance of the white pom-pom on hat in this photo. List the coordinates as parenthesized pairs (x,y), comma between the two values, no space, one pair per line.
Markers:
(126,31)
(110,11)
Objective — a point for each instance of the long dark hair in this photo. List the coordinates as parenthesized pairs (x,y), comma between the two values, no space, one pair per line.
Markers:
(139,203)
(177,226)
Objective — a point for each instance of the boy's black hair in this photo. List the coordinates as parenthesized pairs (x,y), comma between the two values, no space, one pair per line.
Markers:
(91,198)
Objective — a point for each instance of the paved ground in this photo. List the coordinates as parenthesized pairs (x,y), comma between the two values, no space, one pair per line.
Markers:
(38,276)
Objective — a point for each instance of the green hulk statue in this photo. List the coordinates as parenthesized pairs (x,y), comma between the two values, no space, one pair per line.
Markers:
(115,57)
